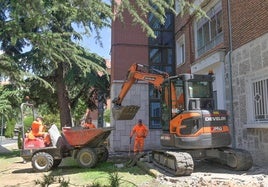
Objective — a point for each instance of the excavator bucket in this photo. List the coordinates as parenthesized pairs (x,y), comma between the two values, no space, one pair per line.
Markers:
(125,112)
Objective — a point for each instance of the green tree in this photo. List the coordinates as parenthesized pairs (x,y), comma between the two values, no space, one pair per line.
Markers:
(9,133)
(38,38)
(107,115)
(41,41)
(9,100)
(5,104)
(9,108)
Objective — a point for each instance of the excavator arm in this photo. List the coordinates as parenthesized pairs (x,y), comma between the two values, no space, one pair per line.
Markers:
(138,72)
(135,73)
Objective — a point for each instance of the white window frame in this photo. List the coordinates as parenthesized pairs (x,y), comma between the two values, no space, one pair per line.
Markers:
(180,51)
(252,122)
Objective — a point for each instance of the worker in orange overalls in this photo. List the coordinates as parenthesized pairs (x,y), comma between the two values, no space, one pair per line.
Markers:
(38,130)
(141,132)
(88,124)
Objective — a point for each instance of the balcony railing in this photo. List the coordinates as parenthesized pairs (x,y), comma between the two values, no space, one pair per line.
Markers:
(210,45)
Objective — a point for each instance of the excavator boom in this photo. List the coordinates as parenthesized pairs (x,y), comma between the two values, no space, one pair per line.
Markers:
(135,73)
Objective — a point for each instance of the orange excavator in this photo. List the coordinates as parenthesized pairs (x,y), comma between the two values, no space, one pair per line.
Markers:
(193,129)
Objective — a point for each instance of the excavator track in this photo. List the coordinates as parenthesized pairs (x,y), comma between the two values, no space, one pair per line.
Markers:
(243,159)
(175,163)
(236,159)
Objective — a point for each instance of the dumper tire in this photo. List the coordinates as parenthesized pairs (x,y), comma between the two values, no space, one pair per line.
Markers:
(42,161)
(87,158)
(103,157)
(56,163)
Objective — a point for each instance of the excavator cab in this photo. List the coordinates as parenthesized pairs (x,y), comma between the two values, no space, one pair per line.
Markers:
(199,92)
(183,93)
(192,122)
(189,91)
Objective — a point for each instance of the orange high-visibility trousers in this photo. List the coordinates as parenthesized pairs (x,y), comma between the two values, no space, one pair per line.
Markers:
(138,145)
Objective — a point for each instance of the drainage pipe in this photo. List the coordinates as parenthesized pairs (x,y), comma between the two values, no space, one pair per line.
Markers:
(229,56)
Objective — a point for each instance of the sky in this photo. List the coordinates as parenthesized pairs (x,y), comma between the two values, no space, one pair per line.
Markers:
(93,46)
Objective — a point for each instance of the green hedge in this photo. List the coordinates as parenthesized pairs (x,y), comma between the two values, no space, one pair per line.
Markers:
(10,125)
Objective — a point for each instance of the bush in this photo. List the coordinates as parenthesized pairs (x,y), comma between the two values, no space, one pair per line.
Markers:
(28,120)
(51,119)
(9,132)
(107,115)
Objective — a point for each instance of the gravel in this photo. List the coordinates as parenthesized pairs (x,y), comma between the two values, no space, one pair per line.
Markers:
(210,174)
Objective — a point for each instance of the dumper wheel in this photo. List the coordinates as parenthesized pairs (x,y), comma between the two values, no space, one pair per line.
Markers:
(56,163)
(42,161)
(87,158)
(103,157)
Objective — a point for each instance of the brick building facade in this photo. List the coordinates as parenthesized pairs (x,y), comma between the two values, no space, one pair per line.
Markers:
(129,45)
(233,44)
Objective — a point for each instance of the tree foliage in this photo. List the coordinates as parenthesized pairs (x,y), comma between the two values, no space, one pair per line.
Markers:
(41,53)
(41,42)
(9,100)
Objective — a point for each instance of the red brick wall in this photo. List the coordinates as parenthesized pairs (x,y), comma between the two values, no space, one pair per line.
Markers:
(183,25)
(129,45)
(249,20)
(225,25)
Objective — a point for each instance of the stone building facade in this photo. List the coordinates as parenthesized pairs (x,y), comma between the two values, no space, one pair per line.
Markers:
(249,77)
(119,139)
(250,97)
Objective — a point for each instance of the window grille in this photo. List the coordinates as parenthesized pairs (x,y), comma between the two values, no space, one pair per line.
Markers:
(260,100)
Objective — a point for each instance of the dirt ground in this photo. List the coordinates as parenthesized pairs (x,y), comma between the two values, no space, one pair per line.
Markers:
(209,175)
(205,175)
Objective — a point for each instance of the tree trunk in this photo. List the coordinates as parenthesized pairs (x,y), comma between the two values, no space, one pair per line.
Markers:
(63,98)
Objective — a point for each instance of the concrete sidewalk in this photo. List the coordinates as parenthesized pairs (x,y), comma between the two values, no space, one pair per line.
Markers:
(8,145)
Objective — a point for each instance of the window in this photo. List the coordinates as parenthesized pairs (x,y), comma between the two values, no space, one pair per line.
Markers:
(161,57)
(155,114)
(209,33)
(180,50)
(153,93)
(155,109)
(155,55)
(260,100)
(200,89)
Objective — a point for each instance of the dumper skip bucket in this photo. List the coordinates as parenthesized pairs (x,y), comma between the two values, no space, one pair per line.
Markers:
(125,112)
